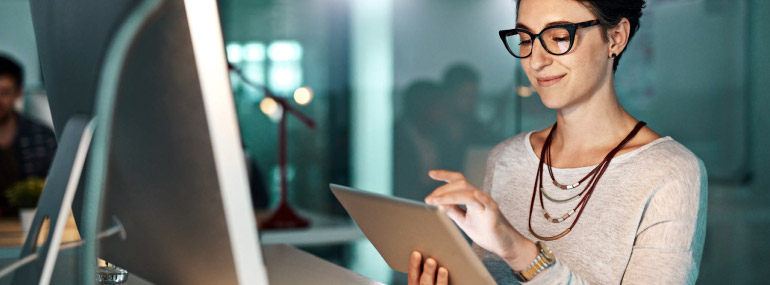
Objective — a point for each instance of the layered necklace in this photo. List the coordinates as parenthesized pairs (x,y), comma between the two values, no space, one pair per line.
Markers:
(592,177)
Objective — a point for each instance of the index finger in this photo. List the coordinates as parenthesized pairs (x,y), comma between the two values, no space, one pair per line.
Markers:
(467,198)
(445,175)
(457,185)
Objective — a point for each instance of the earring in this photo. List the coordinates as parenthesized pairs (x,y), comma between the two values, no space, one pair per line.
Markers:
(613,55)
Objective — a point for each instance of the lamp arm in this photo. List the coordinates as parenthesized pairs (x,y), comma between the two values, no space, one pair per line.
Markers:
(310,123)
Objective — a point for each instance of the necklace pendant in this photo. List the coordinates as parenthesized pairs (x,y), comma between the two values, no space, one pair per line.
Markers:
(560,219)
(566,187)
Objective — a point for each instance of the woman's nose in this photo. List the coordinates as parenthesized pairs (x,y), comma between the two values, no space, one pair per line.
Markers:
(539,58)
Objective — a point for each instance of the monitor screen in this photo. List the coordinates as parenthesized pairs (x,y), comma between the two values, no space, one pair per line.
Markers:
(166,159)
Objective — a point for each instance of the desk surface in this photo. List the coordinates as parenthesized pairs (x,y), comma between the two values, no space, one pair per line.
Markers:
(324,230)
(11,234)
(287,265)
(284,263)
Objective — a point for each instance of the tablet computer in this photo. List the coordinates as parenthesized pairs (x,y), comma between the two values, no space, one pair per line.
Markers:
(397,226)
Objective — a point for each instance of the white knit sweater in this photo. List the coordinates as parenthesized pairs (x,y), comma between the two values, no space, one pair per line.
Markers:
(644,224)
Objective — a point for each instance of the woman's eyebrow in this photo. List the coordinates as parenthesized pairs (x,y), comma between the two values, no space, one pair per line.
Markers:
(550,24)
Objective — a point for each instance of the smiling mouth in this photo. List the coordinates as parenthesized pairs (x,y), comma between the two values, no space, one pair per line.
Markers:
(549,81)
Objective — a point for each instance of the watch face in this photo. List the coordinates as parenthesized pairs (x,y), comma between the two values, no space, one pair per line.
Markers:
(546,252)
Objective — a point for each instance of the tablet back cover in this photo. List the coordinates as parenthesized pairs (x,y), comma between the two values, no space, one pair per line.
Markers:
(396,227)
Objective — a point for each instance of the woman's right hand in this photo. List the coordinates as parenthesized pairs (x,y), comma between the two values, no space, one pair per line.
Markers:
(482,221)
(427,273)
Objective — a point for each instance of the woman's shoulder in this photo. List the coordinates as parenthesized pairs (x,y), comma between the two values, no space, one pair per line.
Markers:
(661,153)
(669,155)
(513,147)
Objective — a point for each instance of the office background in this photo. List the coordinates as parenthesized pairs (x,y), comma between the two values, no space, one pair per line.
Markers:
(696,71)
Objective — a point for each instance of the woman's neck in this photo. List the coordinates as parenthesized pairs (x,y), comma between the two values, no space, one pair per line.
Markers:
(596,123)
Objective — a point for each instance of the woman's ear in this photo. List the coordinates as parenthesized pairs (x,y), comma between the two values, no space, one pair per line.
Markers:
(618,36)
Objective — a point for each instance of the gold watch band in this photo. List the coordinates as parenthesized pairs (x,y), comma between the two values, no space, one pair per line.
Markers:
(544,259)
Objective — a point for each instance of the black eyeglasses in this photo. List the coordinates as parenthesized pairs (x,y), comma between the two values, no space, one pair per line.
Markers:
(557,40)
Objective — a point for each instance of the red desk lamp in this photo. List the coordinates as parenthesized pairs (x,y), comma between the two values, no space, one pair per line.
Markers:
(283,216)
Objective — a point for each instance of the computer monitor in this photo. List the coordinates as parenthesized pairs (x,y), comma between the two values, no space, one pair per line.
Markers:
(166,159)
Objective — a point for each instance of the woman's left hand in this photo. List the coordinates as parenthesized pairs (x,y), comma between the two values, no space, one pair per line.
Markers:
(482,220)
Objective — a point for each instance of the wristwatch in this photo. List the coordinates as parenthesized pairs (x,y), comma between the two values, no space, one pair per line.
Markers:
(543,260)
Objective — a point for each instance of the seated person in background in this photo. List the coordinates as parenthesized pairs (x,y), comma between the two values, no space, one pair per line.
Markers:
(416,139)
(26,147)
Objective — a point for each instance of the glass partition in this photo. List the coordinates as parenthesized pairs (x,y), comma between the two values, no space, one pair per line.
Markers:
(455,92)
(429,85)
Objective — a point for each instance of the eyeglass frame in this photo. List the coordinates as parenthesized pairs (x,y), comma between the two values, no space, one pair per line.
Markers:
(571,29)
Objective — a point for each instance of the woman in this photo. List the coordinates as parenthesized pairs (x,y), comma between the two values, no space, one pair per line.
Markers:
(596,198)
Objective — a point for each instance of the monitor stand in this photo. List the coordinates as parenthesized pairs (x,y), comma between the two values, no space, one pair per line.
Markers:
(55,204)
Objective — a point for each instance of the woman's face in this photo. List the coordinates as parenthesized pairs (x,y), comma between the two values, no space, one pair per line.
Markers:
(565,80)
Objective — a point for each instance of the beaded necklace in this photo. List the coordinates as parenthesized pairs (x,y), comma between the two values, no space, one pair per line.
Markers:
(594,175)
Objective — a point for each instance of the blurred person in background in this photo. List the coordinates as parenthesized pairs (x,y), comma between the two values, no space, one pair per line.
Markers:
(464,129)
(417,138)
(26,147)
(598,197)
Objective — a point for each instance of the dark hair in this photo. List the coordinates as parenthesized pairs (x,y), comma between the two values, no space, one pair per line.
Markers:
(9,67)
(420,96)
(610,13)
(458,74)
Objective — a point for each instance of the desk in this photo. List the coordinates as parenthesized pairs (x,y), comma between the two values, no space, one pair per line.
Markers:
(284,263)
(287,265)
(12,236)
(324,230)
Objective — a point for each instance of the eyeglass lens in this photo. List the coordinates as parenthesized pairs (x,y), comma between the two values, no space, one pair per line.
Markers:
(556,40)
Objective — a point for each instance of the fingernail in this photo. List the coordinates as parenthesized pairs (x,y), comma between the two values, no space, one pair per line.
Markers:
(442,271)
(415,255)
(430,262)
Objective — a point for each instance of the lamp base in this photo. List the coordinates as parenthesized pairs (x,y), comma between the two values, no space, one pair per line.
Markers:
(284,217)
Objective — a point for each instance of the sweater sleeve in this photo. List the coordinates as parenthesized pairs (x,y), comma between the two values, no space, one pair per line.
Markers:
(671,235)
(669,241)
